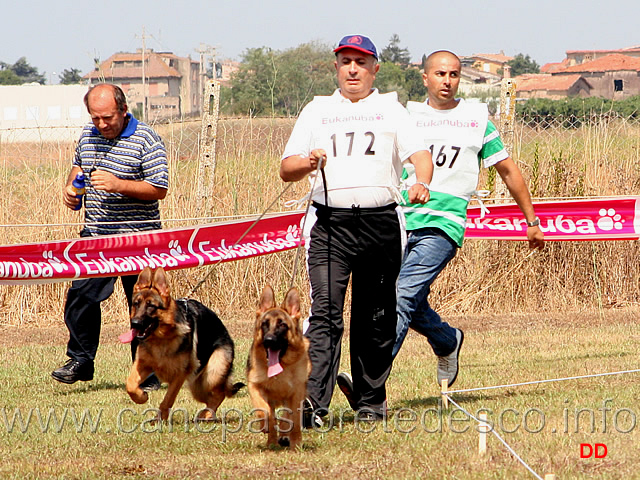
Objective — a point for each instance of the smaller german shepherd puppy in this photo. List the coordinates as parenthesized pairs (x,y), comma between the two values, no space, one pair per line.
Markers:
(278,367)
(179,340)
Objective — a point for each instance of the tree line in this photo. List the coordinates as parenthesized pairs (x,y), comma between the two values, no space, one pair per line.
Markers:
(23,72)
(281,83)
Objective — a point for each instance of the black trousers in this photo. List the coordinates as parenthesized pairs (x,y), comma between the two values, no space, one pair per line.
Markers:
(83,316)
(366,245)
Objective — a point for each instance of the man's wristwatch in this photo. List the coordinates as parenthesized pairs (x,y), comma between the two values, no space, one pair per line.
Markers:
(535,223)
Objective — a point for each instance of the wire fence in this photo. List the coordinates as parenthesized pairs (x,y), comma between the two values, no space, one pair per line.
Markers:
(267,136)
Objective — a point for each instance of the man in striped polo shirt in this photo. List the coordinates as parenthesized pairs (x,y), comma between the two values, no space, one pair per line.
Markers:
(125,165)
(461,138)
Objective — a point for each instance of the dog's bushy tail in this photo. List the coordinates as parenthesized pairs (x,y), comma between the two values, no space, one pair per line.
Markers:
(232,389)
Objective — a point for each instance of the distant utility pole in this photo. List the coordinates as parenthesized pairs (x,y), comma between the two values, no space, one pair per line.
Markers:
(207,56)
(144,80)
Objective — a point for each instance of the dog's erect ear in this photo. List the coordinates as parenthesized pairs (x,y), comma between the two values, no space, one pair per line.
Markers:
(144,280)
(267,300)
(160,282)
(291,303)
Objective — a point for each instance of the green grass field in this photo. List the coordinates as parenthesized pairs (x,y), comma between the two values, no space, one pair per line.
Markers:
(543,423)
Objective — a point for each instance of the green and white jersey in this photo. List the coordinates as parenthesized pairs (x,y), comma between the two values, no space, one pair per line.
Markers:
(460,140)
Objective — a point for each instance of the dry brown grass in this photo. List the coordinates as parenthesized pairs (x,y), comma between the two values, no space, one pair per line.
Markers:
(527,317)
(486,276)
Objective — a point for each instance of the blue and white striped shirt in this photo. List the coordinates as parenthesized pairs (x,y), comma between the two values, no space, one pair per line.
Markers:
(137,154)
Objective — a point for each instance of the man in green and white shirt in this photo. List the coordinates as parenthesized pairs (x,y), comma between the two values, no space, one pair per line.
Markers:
(461,139)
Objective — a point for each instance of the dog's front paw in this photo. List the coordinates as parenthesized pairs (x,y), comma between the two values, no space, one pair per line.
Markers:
(164,413)
(206,415)
(138,395)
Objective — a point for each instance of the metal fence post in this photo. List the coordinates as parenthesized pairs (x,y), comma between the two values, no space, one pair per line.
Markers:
(506,126)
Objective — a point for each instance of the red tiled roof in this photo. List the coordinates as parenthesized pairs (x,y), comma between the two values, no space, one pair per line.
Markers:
(526,83)
(554,67)
(635,48)
(478,75)
(608,63)
(155,67)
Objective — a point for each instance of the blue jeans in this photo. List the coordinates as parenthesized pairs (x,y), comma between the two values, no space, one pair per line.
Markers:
(428,251)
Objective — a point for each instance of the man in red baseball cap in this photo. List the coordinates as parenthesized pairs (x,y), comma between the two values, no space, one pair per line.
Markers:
(361,138)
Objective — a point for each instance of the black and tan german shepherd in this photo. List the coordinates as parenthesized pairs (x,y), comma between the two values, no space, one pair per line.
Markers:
(278,367)
(180,340)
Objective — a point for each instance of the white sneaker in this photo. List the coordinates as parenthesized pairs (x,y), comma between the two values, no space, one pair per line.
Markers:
(448,365)
(310,419)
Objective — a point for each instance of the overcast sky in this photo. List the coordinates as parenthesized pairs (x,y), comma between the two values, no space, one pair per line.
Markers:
(54,35)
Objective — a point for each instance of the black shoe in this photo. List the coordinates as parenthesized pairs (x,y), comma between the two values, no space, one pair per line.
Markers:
(310,419)
(72,371)
(345,384)
(151,384)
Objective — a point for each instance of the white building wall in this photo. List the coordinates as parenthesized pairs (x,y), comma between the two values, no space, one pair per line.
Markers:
(42,112)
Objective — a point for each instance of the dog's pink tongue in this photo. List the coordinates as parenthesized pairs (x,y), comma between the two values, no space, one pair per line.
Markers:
(274,367)
(127,337)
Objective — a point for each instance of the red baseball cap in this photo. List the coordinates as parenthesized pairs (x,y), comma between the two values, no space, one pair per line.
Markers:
(357,42)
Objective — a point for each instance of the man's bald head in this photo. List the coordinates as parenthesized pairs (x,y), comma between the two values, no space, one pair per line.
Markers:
(439,54)
(103,89)
(107,106)
(442,77)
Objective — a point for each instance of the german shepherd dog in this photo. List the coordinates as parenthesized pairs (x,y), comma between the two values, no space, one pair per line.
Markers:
(278,367)
(179,340)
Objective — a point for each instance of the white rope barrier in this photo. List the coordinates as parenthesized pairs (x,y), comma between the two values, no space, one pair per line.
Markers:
(466,390)
(544,199)
(227,217)
(132,222)
(511,450)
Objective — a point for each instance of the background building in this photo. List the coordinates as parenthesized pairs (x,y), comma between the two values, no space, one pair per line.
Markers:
(614,76)
(486,62)
(35,112)
(167,87)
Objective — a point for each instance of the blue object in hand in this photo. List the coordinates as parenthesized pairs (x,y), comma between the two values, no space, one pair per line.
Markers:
(78,185)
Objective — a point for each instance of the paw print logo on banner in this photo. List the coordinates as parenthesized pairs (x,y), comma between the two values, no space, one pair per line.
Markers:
(176,251)
(609,220)
(293,233)
(57,265)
